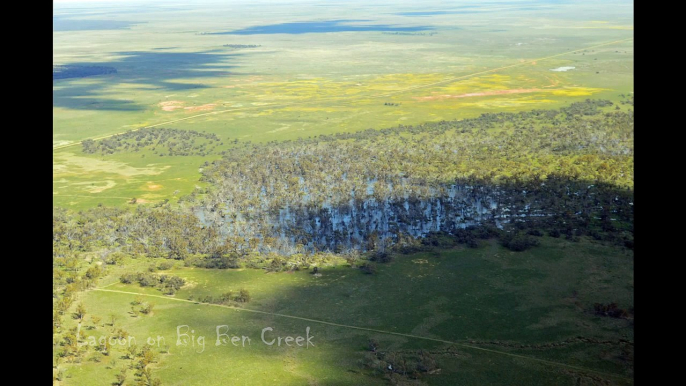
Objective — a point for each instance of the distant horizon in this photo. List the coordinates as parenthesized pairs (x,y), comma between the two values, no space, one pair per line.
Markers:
(398,2)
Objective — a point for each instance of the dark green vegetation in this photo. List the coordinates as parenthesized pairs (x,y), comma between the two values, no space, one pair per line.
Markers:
(579,142)
(470,197)
(424,189)
(562,173)
(160,141)
(76,71)
(536,304)
(567,171)
(557,172)
(496,58)
(167,284)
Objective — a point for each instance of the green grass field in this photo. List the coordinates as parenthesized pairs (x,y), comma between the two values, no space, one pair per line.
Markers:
(173,72)
(487,315)
(486,298)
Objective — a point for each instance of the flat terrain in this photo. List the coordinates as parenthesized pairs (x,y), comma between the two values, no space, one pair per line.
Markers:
(310,73)
(486,300)
(220,74)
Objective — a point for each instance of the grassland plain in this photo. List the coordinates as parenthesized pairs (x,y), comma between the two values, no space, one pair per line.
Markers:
(488,57)
(487,315)
(542,299)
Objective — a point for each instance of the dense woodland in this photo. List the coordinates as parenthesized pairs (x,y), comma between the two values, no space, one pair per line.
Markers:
(566,172)
(362,197)
(162,141)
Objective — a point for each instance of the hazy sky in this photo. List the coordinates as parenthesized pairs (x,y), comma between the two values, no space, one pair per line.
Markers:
(399,2)
(185,2)
(93,1)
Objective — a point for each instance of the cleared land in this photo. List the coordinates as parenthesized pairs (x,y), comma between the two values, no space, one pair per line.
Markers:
(541,299)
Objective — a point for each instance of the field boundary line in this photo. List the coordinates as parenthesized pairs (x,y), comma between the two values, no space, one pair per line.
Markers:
(87,196)
(377,331)
(343,100)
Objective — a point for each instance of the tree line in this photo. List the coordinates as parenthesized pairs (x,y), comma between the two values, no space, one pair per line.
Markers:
(161,141)
(566,172)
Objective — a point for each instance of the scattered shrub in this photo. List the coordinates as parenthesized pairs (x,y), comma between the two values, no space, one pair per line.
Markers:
(535,232)
(382,257)
(243,296)
(518,242)
(165,265)
(611,310)
(368,268)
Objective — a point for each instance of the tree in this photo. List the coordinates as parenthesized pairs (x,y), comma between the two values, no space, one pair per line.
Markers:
(56,322)
(80,312)
(227,296)
(60,375)
(63,304)
(105,347)
(147,356)
(93,272)
(518,242)
(121,377)
(368,268)
(243,296)
(147,308)
(131,351)
(70,342)
(146,378)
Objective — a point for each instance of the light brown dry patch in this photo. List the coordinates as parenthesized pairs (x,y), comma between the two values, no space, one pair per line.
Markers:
(478,94)
(554,81)
(189,284)
(282,128)
(67,164)
(92,188)
(249,81)
(207,107)
(171,105)
(152,186)
(251,78)
(60,143)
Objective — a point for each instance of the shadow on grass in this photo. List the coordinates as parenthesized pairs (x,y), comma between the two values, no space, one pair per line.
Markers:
(321,27)
(146,70)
